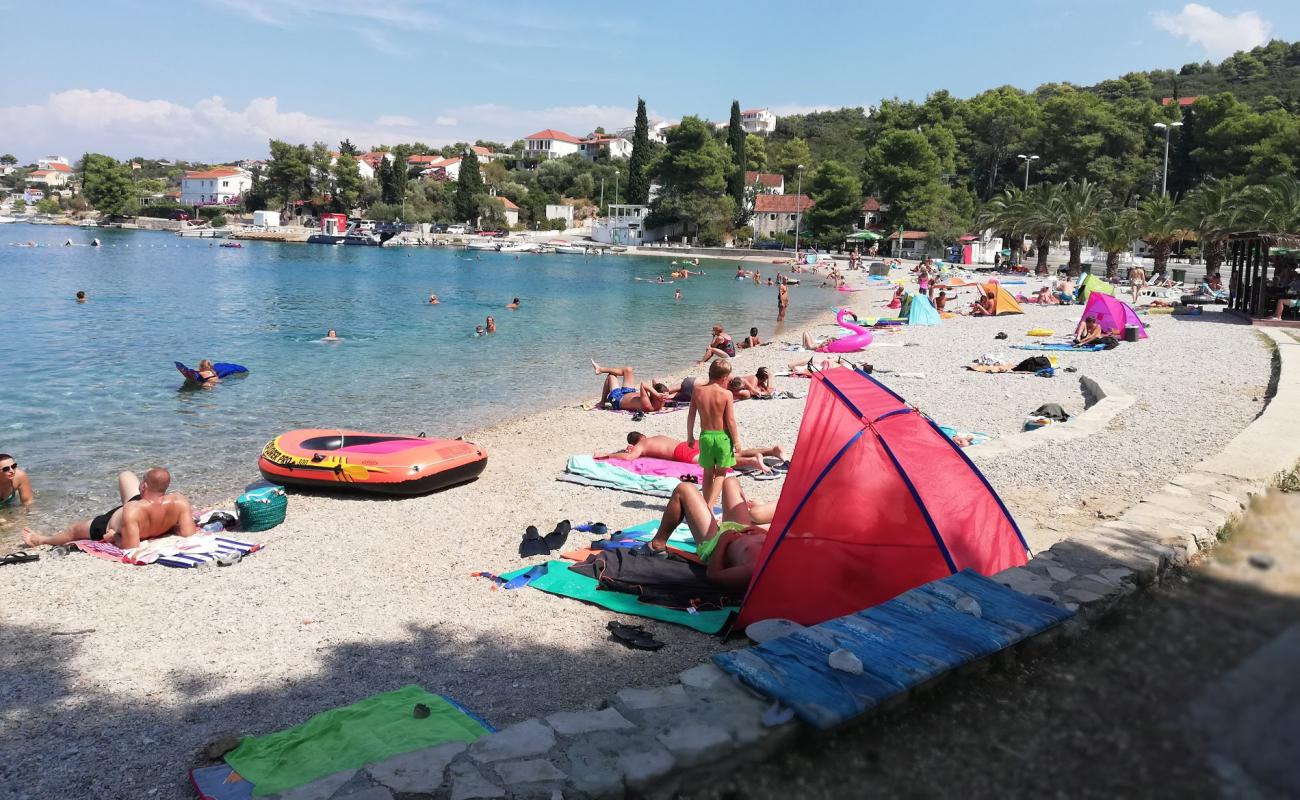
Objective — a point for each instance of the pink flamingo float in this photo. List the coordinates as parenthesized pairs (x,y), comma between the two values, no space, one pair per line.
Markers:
(858,339)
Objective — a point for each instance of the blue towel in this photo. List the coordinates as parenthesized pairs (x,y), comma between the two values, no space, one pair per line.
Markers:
(1092,348)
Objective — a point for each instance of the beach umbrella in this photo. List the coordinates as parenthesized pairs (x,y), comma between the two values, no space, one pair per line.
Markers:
(863,236)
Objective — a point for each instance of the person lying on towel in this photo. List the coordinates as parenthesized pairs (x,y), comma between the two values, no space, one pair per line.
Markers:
(147,512)
(669,449)
(729,549)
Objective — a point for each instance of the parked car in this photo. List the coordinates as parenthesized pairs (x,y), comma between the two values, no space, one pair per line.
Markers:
(441,227)
(457,230)
(178,215)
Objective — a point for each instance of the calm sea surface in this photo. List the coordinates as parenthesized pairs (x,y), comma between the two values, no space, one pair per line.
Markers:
(90,389)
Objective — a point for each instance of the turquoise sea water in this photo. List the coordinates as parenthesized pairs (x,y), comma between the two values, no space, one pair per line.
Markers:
(89,389)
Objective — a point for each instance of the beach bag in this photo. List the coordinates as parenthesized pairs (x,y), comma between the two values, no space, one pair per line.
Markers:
(1109,342)
(1033,364)
(262,507)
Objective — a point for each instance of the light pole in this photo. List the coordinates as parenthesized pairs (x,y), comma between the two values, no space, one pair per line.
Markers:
(1028,160)
(1168,129)
(615,186)
(798,211)
(602,194)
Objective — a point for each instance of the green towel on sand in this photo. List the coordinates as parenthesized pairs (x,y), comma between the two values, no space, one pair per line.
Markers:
(371,730)
(614,477)
(559,579)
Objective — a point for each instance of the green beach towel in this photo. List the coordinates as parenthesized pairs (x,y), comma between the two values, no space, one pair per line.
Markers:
(612,477)
(565,583)
(365,732)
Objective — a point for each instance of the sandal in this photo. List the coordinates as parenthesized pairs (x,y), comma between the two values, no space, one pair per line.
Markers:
(688,479)
(20,557)
(633,636)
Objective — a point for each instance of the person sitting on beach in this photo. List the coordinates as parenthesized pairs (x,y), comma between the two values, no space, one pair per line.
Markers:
(207,373)
(897,300)
(491,325)
(1290,298)
(513,305)
(1089,332)
(729,549)
(81,297)
(15,486)
(744,387)
(752,339)
(721,346)
(1216,283)
(433,299)
(984,306)
(941,301)
(669,449)
(715,406)
(1065,291)
(1044,297)
(626,394)
(147,512)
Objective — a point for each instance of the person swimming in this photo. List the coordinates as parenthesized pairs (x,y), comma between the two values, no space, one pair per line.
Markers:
(513,304)
(332,336)
(81,297)
(478,331)
(433,299)
(491,325)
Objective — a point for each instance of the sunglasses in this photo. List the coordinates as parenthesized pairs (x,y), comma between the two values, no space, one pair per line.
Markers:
(10,467)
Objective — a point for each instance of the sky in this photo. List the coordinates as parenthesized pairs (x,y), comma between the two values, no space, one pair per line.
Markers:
(213,80)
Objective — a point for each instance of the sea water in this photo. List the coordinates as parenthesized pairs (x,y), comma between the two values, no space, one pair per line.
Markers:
(90,389)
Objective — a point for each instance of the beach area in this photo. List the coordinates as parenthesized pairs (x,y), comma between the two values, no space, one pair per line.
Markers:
(121,674)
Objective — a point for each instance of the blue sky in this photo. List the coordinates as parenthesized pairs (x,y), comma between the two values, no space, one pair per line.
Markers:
(214,79)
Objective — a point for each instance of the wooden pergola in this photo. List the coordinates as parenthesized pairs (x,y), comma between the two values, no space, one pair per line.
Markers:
(1253,290)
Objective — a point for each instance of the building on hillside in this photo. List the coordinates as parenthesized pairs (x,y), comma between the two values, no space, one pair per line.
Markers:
(656,131)
(623,224)
(561,211)
(913,244)
(766,182)
(48,162)
(56,174)
(512,210)
(1183,102)
(7,169)
(612,146)
(486,156)
(758,120)
(873,215)
(33,195)
(444,169)
(219,186)
(364,168)
(550,143)
(374,157)
(777,214)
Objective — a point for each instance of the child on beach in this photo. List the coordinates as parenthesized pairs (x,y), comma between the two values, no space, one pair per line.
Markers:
(714,404)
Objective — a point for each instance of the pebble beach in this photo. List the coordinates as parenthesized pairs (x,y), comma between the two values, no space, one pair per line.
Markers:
(114,677)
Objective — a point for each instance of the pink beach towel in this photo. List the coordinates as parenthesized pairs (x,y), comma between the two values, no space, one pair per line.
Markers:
(657,466)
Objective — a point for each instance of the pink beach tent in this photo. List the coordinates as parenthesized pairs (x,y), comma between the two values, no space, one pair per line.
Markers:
(1112,314)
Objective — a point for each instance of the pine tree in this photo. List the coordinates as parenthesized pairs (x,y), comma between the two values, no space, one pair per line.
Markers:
(638,179)
(736,139)
(385,177)
(468,187)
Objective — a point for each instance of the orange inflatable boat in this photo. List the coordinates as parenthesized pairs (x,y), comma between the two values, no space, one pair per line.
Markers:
(384,463)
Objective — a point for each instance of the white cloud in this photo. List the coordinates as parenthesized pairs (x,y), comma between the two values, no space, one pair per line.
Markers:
(100,120)
(1219,34)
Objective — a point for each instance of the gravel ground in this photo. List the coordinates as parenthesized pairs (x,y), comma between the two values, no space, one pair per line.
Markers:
(106,666)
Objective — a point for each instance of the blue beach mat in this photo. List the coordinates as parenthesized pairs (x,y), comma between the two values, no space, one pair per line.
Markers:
(1092,348)
(222,369)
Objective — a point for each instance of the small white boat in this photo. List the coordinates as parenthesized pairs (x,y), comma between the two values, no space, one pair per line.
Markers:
(519,247)
(571,249)
(482,244)
(88,223)
(5,220)
(203,232)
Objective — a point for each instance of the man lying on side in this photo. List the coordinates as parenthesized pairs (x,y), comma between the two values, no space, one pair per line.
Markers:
(147,512)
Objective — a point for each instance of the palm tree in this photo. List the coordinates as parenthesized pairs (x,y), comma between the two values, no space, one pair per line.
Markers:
(1005,214)
(1043,220)
(1160,222)
(1275,206)
(1214,212)
(1115,231)
(1077,206)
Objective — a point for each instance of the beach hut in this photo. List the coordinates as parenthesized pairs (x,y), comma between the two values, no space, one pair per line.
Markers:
(1091,283)
(921,311)
(878,502)
(1003,302)
(1113,314)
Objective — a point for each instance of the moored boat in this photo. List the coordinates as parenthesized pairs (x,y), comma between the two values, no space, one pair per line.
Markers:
(383,463)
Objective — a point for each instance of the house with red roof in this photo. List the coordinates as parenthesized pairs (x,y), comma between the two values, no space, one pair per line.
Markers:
(551,143)
(1182,102)
(444,169)
(873,214)
(218,186)
(597,143)
(776,214)
(512,210)
(766,182)
(758,120)
(55,175)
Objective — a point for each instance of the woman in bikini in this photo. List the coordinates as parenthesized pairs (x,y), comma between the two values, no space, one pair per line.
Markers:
(720,347)
(15,486)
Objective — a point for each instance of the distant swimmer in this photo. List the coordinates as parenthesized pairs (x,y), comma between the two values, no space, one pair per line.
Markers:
(491,325)
(94,243)
(478,331)
(332,336)
(513,305)
(677,295)
(81,297)
(433,299)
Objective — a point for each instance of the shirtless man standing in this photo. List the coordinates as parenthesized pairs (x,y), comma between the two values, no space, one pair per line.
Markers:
(669,449)
(715,406)
(729,549)
(147,512)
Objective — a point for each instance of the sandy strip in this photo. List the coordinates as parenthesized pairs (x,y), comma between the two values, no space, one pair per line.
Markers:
(355,596)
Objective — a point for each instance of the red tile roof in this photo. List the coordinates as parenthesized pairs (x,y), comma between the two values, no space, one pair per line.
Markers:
(771,180)
(871,204)
(1182,101)
(551,133)
(909,235)
(216,172)
(59,166)
(424,159)
(482,151)
(753,111)
(782,203)
(505,201)
(39,173)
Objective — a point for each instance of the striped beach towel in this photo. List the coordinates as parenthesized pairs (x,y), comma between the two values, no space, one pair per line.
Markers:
(194,551)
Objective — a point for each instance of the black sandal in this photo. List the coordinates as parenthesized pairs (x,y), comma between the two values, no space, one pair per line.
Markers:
(633,636)
(20,557)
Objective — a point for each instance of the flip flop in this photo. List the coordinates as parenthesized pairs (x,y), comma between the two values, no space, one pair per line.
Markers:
(532,544)
(765,476)
(772,462)
(633,636)
(19,557)
(688,479)
(556,538)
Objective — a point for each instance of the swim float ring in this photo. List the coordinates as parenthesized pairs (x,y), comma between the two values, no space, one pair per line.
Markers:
(383,463)
(858,339)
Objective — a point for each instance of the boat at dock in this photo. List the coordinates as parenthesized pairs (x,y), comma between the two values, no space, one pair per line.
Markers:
(482,244)
(203,231)
(519,247)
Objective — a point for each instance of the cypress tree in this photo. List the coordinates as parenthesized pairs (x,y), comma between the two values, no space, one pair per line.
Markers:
(468,187)
(385,179)
(638,181)
(736,138)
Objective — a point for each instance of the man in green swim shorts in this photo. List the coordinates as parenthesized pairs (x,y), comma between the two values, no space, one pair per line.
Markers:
(714,404)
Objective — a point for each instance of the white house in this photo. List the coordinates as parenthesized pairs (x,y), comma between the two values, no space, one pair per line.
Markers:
(766,182)
(561,211)
(486,156)
(758,120)
(33,196)
(613,146)
(364,168)
(550,143)
(216,186)
(49,161)
(624,224)
(512,210)
(775,214)
(56,174)
(444,169)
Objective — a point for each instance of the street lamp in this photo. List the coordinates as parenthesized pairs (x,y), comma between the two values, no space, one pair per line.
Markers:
(1168,129)
(616,186)
(798,211)
(602,194)
(1027,160)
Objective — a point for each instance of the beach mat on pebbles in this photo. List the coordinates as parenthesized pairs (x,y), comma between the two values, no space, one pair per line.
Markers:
(366,732)
(586,470)
(560,580)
